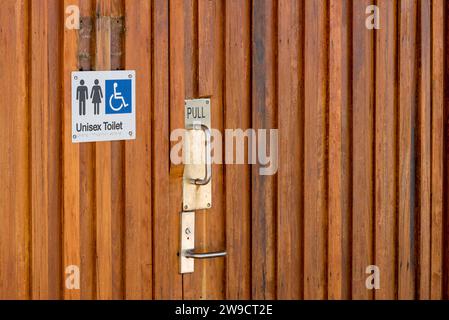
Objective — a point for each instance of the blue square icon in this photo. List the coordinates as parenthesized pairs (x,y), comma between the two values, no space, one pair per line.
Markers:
(118,96)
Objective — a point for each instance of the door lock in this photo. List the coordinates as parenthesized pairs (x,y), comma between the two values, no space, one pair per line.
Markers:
(188,253)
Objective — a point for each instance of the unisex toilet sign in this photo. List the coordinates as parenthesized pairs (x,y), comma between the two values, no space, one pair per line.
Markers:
(103,106)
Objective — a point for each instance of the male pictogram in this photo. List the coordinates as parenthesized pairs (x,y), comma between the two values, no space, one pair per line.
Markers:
(82,94)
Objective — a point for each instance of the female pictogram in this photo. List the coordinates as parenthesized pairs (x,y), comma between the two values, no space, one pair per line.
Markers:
(96,96)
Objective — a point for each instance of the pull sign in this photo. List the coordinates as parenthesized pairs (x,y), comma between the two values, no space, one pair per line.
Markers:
(103,106)
(197,112)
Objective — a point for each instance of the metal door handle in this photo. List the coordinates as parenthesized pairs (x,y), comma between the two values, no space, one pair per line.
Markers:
(197,176)
(187,254)
(206,255)
(208,175)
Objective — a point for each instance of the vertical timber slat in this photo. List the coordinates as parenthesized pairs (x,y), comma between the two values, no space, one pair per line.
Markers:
(425,150)
(438,87)
(138,233)
(407,170)
(339,276)
(167,281)
(290,115)
(238,115)
(362,148)
(45,120)
(263,117)
(385,158)
(15,194)
(71,164)
(315,206)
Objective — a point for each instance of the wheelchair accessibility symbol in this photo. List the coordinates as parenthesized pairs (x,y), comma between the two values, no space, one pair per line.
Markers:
(118,96)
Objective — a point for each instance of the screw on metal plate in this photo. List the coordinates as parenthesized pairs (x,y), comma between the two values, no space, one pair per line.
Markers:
(188,231)
(74,136)
(130,133)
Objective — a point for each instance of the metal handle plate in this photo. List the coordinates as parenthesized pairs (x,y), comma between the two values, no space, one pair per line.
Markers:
(197,176)
(188,254)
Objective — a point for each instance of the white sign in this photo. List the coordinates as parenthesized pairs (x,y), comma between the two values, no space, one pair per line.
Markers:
(103,106)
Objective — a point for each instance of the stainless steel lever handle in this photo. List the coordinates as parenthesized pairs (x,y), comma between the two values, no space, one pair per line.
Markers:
(205,255)
(208,164)
(187,254)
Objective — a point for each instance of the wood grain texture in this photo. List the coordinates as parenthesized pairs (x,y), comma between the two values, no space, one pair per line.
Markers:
(362,150)
(15,260)
(438,85)
(290,175)
(363,146)
(424,141)
(339,253)
(71,163)
(238,177)
(445,217)
(315,193)
(264,116)
(386,154)
(45,148)
(167,281)
(407,147)
(138,193)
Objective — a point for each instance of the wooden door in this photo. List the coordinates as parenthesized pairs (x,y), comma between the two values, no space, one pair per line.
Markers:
(362,150)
